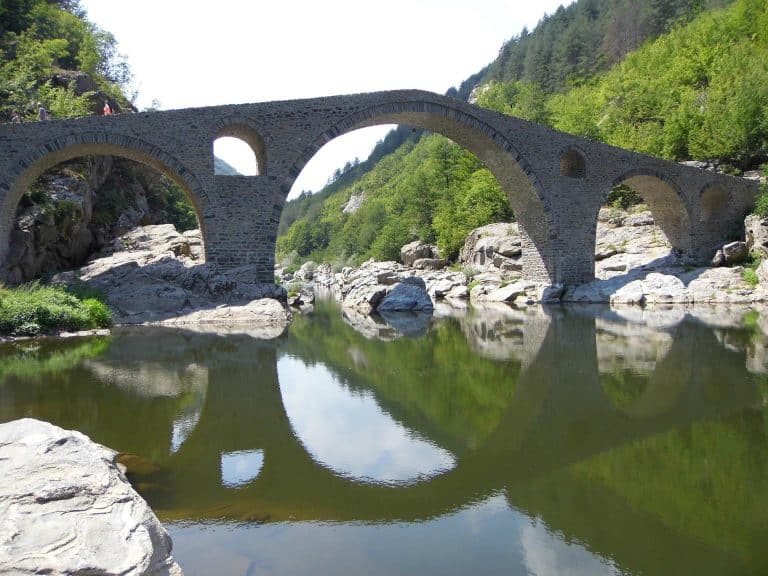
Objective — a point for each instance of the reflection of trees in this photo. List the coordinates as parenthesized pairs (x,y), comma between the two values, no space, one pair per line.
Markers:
(708,482)
(669,478)
(435,384)
(37,359)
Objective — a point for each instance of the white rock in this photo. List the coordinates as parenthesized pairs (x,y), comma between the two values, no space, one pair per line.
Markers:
(66,508)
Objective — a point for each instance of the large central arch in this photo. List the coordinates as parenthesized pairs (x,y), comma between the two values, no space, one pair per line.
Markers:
(514,173)
(27,169)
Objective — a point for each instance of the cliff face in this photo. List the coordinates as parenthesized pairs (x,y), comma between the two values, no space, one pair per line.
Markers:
(77,209)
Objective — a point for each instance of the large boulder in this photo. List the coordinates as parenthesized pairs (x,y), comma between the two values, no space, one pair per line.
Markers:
(756,232)
(66,508)
(417,250)
(495,245)
(408,296)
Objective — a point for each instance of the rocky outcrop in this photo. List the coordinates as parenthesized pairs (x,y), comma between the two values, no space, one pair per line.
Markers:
(354,203)
(493,246)
(153,274)
(417,250)
(74,211)
(66,508)
(756,234)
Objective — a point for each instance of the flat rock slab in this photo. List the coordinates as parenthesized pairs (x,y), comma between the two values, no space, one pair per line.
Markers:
(66,508)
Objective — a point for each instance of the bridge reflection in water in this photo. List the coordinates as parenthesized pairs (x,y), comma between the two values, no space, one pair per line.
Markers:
(532,439)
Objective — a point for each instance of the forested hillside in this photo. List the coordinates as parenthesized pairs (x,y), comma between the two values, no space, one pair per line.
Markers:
(50,54)
(695,88)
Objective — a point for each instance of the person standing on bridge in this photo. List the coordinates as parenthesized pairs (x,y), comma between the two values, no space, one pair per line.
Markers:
(42,113)
(15,117)
(107,108)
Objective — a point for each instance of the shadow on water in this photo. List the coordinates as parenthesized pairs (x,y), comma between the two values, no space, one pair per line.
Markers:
(641,439)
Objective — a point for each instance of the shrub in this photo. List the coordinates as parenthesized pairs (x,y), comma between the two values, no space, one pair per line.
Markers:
(34,309)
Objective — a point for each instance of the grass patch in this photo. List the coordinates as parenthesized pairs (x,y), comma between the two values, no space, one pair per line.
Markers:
(34,309)
(749,275)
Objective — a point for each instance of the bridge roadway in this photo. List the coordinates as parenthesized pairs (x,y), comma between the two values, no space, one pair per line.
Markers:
(555,182)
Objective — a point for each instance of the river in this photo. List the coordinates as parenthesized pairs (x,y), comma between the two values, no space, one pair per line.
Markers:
(566,441)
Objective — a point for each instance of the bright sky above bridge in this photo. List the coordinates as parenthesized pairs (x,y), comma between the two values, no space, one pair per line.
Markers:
(187,54)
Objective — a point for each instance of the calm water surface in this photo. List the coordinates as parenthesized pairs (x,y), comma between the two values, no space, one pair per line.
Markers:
(559,442)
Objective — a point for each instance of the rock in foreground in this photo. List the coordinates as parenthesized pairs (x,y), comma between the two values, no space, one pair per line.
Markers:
(66,508)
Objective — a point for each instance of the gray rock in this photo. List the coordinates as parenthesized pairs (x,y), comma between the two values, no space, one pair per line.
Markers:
(410,295)
(718,259)
(151,275)
(486,243)
(640,219)
(66,508)
(756,233)
(417,250)
(354,203)
(735,252)
(430,263)
(762,272)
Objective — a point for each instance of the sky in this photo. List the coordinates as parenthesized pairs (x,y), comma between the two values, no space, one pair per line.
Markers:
(186,54)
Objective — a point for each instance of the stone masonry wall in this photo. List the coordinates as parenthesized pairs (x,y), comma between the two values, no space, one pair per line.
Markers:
(556,182)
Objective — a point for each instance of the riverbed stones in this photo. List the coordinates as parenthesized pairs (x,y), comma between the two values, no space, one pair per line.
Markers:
(635,265)
(66,508)
(153,274)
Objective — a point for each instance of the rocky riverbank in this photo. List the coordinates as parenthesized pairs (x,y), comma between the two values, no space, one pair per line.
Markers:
(635,264)
(155,275)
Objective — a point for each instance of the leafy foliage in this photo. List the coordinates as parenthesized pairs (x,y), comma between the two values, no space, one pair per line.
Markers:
(432,190)
(587,38)
(700,91)
(36,309)
(41,38)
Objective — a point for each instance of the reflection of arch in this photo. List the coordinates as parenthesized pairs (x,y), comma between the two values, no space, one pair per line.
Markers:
(514,173)
(241,128)
(665,201)
(30,167)
(573,164)
(714,201)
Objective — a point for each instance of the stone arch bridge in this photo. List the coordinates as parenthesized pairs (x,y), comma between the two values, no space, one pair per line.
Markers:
(555,182)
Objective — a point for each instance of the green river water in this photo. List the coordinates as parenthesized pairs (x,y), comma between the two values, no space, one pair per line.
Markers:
(567,441)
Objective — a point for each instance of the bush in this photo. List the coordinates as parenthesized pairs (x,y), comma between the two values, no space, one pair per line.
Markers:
(761,202)
(623,197)
(33,309)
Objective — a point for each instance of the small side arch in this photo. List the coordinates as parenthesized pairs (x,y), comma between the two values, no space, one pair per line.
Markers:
(714,201)
(573,163)
(29,167)
(665,201)
(244,129)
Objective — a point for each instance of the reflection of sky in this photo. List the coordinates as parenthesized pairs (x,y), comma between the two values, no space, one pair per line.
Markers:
(486,538)
(239,468)
(183,426)
(546,554)
(349,433)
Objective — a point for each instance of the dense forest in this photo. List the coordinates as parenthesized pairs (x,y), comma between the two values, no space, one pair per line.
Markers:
(50,54)
(679,79)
